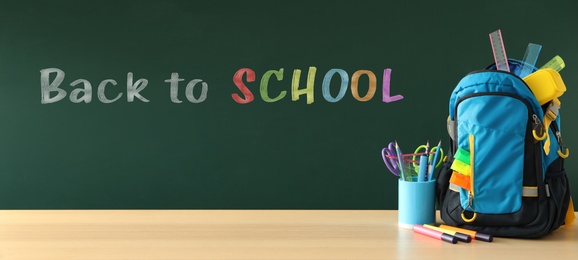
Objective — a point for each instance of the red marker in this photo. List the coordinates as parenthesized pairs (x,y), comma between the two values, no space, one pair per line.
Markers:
(435,234)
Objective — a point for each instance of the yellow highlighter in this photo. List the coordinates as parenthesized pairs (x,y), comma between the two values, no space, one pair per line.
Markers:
(460,236)
(546,84)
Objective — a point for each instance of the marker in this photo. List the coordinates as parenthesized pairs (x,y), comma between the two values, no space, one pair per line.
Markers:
(427,169)
(460,236)
(423,166)
(435,234)
(433,164)
(474,234)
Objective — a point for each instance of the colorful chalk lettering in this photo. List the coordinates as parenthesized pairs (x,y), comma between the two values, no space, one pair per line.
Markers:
(297,90)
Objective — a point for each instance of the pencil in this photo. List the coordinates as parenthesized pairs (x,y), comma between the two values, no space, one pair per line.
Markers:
(400,159)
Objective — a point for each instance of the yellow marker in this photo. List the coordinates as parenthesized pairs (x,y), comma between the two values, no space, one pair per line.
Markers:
(460,236)
(556,63)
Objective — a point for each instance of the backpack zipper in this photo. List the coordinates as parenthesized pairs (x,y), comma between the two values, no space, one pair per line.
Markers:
(470,192)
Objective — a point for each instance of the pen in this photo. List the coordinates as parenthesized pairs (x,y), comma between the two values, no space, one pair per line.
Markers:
(435,159)
(435,234)
(460,236)
(474,234)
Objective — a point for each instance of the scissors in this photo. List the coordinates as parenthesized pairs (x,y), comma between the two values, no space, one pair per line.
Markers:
(430,159)
(391,158)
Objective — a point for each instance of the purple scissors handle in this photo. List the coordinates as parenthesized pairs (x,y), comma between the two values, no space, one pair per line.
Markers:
(390,158)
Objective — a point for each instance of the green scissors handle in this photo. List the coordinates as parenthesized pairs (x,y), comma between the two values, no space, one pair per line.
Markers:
(432,152)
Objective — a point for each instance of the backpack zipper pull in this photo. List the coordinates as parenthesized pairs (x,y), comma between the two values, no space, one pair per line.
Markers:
(538,129)
(470,204)
(561,146)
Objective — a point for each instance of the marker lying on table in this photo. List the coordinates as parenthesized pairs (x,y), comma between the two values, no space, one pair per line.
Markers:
(474,234)
(460,236)
(435,234)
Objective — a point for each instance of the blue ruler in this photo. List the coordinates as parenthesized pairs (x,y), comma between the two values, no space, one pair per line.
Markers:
(530,58)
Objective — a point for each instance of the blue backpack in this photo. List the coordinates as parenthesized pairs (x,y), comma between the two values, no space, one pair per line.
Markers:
(504,174)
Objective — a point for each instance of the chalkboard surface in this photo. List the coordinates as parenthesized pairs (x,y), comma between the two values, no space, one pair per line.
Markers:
(243,104)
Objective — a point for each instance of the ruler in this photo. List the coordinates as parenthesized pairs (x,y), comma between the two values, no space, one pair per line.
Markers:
(530,58)
(556,63)
(499,51)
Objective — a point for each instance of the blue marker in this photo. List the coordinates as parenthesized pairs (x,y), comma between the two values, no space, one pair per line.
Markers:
(434,161)
(423,166)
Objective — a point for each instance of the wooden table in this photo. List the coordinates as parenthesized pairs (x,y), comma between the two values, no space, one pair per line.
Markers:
(247,234)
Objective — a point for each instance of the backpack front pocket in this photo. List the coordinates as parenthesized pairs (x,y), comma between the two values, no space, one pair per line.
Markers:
(497,169)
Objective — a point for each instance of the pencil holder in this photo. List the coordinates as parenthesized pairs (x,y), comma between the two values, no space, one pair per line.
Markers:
(416,203)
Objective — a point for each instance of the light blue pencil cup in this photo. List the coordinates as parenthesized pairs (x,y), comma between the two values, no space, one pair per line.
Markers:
(416,203)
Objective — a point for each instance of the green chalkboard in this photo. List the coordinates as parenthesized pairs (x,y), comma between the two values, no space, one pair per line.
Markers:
(242,104)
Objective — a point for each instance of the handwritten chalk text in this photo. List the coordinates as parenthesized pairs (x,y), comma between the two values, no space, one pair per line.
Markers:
(108,90)
(308,91)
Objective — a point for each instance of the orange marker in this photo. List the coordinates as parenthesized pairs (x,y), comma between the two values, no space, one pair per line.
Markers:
(474,234)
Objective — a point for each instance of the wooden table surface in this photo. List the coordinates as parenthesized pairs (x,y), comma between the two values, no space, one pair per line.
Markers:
(247,234)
